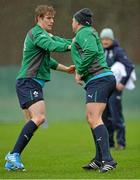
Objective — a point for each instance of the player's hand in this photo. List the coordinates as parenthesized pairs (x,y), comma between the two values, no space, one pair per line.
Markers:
(78,79)
(120,87)
(71,69)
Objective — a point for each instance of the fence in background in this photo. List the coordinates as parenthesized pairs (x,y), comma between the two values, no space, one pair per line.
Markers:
(64,98)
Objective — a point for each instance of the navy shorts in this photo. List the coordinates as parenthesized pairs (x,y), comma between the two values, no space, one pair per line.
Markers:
(28,91)
(99,90)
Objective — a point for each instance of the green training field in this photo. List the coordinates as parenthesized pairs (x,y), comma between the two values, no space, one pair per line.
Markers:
(59,151)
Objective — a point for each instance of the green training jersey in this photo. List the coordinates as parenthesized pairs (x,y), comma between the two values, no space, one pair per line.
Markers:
(38,45)
(88,54)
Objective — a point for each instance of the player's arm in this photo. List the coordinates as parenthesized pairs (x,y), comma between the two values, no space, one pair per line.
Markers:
(60,67)
(63,40)
(89,48)
(44,41)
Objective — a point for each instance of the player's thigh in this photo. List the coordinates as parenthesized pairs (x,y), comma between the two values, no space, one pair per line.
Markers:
(29,92)
(94,113)
(97,95)
(99,90)
(95,110)
(27,115)
(37,111)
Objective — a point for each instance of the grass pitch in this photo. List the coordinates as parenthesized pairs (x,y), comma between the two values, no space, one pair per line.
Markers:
(60,151)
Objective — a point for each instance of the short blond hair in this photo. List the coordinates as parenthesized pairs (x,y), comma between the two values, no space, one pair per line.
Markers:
(42,10)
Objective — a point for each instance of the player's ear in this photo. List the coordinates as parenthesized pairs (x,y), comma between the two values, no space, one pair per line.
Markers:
(38,18)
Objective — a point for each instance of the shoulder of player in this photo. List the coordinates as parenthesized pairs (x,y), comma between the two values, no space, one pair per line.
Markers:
(84,32)
(37,31)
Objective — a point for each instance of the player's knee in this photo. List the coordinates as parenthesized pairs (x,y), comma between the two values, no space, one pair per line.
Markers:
(90,119)
(93,120)
(40,119)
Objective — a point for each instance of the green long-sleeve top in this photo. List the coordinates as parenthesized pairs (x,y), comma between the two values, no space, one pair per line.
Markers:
(36,61)
(88,54)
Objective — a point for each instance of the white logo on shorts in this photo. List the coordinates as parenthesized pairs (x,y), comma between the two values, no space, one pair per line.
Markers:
(90,96)
(99,139)
(35,93)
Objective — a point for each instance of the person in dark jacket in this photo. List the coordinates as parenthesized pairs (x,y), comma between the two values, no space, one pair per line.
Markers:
(113,115)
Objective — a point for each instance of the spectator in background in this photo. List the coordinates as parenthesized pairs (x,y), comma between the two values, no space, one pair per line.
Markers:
(113,115)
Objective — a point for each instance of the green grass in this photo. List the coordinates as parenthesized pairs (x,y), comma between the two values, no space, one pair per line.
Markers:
(59,151)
